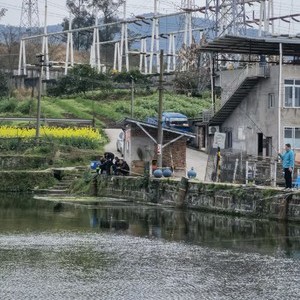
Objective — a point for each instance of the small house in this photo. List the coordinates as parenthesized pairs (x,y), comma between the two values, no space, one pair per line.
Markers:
(141,148)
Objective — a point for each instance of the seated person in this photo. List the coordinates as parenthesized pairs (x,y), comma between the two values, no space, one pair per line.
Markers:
(109,167)
(115,166)
(124,168)
(102,166)
(109,155)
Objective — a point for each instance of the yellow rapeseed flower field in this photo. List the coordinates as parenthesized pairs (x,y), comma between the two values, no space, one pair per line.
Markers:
(76,136)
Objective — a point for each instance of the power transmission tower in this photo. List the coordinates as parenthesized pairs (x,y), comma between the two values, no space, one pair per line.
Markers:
(188,6)
(225,17)
(154,47)
(30,16)
(95,48)
(30,23)
(230,17)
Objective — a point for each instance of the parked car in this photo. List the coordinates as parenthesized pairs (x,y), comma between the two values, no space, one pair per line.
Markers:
(120,142)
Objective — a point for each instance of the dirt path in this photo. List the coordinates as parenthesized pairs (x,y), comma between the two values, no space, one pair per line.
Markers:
(113,136)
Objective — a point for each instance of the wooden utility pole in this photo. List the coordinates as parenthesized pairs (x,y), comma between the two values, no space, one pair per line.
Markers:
(132,98)
(38,118)
(160,108)
(42,63)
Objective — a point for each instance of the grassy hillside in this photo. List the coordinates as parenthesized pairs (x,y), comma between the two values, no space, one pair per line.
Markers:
(105,107)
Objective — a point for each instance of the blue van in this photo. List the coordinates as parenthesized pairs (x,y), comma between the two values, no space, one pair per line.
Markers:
(175,120)
(172,120)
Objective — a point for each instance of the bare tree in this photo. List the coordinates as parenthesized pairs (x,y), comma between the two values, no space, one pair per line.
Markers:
(82,10)
(9,48)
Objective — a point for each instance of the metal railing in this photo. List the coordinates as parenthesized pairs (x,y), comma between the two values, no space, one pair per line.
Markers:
(257,70)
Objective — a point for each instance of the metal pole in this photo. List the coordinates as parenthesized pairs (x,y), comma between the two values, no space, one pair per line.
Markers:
(38,118)
(132,97)
(160,107)
(279,98)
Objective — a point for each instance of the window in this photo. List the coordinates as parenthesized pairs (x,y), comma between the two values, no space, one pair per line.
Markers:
(292,136)
(292,93)
(271,100)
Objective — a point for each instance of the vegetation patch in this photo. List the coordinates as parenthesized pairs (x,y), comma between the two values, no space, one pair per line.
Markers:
(24,181)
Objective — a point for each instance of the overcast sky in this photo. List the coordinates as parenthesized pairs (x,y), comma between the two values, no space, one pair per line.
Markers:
(57,11)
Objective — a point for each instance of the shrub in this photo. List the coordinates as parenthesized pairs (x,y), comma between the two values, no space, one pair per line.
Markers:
(8,105)
(25,107)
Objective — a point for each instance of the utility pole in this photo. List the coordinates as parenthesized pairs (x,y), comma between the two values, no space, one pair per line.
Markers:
(42,63)
(160,108)
(132,97)
(38,117)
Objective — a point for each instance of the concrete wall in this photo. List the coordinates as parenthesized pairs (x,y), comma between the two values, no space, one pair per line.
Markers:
(253,116)
(230,199)
(290,117)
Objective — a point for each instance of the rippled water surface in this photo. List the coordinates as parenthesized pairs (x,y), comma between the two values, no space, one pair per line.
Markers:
(122,251)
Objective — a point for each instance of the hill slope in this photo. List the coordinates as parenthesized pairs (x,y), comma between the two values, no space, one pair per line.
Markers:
(105,108)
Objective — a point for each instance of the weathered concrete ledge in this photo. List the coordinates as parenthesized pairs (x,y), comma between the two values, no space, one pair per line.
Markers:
(264,202)
(23,162)
(24,181)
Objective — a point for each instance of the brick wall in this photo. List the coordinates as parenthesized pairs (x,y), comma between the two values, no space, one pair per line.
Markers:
(174,155)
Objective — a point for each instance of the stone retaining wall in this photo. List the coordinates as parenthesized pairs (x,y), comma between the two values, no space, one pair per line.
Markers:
(223,198)
(19,162)
(24,181)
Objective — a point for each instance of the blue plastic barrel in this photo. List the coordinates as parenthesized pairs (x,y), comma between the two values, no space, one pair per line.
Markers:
(94,164)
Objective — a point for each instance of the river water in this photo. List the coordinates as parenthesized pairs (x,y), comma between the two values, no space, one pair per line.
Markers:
(123,251)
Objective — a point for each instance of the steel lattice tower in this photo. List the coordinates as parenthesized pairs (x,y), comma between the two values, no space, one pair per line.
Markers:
(30,16)
(226,17)
(230,17)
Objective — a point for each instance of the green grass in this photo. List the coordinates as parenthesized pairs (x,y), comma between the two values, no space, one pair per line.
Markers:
(106,106)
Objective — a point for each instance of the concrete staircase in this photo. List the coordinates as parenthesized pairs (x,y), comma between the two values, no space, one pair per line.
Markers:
(237,90)
(66,176)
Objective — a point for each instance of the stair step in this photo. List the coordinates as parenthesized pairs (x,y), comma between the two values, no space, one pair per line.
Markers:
(67,180)
(73,177)
(60,188)
(56,191)
(51,191)
(64,182)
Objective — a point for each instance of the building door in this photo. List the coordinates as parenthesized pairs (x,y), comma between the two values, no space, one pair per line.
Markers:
(260,144)
(228,141)
(269,146)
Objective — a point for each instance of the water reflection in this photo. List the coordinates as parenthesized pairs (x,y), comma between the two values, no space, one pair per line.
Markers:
(19,213)
(118,251)
(200,228)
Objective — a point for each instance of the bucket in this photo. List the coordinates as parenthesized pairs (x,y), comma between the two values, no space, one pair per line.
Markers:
(94,164)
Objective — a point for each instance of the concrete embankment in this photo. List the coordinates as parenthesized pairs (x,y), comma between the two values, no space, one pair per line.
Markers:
(264,202)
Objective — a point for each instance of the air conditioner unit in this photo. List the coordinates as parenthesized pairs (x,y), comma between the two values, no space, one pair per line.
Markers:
(213,129)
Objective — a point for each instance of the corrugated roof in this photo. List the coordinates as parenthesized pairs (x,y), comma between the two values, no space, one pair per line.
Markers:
(145,124)
(254,45)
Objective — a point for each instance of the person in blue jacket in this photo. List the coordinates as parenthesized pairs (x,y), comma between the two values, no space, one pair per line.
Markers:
(288,160)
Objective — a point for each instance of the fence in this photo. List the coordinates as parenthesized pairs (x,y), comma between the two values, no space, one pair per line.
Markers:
(238,167)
